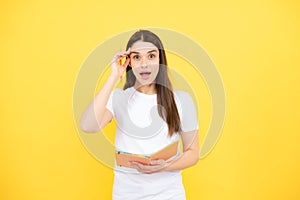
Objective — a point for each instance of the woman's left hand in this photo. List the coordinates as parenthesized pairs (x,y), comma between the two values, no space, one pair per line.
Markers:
(155,166)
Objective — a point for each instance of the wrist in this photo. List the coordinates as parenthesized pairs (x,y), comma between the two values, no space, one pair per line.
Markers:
(164,168)
(113,78)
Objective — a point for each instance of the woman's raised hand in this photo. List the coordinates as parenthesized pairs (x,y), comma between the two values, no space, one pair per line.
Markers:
(117,69)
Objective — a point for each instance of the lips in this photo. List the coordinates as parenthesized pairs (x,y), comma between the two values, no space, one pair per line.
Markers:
(145,75)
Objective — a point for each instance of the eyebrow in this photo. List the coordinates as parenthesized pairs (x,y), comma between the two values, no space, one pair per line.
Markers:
(147,52)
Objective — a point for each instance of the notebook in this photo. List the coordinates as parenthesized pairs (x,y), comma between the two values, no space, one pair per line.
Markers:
(122,158)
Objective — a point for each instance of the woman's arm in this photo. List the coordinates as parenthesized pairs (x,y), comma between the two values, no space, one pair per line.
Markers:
(190,154)
(189,157)
(92,116)
(96,116)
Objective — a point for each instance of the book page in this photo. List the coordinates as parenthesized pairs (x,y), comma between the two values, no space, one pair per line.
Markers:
(122,158)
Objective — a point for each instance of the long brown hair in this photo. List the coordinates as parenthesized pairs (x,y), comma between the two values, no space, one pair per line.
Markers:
(167,108)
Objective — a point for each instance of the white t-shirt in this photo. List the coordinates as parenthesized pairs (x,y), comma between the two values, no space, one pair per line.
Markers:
(140,130)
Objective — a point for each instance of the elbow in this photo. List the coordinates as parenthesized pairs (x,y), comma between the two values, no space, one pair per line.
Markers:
(196,158)
(87,129)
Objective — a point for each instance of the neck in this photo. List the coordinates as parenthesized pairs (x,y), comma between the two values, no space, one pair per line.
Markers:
(146,89)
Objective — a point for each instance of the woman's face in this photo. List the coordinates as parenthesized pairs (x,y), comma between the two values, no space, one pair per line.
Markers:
(144,60)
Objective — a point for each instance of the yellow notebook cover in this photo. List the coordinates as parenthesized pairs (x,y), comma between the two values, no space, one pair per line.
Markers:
(122,158)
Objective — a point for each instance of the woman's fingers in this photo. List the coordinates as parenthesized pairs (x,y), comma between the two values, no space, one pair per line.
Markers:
(123,53)
(118,67)
(126,62)
(149,168)
(120,56)
(128,51)
(117,59)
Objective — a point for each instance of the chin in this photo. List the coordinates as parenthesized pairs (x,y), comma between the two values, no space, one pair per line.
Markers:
(146,82)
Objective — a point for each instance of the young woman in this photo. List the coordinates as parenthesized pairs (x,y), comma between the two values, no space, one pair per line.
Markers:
(147,86)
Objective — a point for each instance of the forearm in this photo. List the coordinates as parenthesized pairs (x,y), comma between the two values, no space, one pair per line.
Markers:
(187,159)
(92,115)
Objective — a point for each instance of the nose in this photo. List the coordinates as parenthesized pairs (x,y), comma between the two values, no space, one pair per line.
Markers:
(144,63)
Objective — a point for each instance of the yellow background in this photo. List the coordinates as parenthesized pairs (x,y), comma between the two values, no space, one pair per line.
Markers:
(255,46)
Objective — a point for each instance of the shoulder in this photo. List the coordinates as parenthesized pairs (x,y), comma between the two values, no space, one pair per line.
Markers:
(119,90)
(183,99)
(120,93)
(181,95)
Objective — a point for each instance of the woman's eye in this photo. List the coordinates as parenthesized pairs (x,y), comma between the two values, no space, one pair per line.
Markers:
(135,57)
(152,56)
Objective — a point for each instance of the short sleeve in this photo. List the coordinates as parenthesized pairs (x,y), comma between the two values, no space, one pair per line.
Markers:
(189,121)
(109,104)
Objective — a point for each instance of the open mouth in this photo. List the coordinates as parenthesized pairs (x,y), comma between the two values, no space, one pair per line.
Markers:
(145,75)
